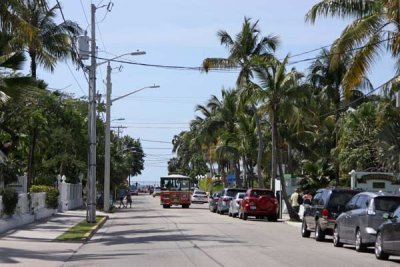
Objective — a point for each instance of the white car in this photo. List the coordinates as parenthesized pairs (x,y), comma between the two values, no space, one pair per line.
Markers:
(199,196)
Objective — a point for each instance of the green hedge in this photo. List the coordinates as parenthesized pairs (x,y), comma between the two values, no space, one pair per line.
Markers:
(10,200)
(51,194)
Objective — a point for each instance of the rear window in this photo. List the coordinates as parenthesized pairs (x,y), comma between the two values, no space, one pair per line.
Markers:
(388,204)
(233,192)
(257,193)
(340,198)
(200,193)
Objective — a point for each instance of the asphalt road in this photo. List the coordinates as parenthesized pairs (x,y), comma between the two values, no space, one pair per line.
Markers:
(148,235)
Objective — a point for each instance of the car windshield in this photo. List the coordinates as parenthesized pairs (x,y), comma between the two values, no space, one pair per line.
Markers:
(339,199)
(233,192)
(388,204)
(257,193)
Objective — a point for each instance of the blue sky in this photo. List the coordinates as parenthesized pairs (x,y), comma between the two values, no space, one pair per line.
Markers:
(181,33)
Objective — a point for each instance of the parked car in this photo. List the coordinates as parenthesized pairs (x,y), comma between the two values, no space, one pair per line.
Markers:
(364,214)
(387,240)
(235,204)
(157,191)
(213,201)
(134,191)
(227,195)
(326,206)
(261,203)
(199,196)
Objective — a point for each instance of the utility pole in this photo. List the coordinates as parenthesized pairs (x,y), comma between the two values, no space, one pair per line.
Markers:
(106,198)
(118,132)
(91,205)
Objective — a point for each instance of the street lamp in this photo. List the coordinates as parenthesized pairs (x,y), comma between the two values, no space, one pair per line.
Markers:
(109,102)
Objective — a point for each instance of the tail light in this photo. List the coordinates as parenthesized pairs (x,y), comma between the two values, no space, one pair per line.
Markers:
(226,199)
(325,213)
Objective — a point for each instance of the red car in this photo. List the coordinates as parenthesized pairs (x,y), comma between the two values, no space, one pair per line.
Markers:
(261,203)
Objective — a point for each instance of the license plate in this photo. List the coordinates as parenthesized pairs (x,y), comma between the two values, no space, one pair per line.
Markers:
(253,207)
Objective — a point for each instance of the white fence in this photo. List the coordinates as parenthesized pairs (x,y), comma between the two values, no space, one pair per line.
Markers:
(30,210)
(27,211)
(70,194)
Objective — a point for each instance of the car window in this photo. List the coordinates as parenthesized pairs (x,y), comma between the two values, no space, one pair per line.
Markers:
(397,213)
(241,195)
(362,202)
(232,192)
(257,193)
(339,199)
(316,198)
(200,193)
(388,204)
(352,203)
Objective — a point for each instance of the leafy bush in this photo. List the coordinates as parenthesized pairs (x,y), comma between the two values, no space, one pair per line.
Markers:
(51,194)
(10,200)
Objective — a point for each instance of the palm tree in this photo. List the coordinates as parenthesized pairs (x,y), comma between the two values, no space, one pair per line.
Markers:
(49,42)
(329,78)
(247,51)
(375,28)
(281,91)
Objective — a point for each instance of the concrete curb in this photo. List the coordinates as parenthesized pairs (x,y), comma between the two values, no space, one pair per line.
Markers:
(94,229)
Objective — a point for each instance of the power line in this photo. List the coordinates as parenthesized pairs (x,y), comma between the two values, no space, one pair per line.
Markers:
(360,98)
(155,141)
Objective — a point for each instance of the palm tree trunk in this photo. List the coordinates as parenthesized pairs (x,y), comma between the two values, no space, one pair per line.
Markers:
(32,149)
(32,55)
(260,147)
(274,145)
(292,213)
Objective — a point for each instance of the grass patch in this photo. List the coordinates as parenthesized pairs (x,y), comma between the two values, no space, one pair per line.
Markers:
(80,231)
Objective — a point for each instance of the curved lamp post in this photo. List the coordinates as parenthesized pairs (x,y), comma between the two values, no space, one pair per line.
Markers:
(109,102)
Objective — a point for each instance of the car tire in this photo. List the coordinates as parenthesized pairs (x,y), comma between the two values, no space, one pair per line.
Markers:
(379,253)
(319,233)
(245,216)
(360,247)
(229,214)
(234,215)
(166,206)
(304,230)
(336,237)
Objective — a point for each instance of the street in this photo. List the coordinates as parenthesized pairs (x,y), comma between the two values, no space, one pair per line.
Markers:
(148,235)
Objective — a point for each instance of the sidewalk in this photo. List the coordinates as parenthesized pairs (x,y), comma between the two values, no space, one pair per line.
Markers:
(32,244)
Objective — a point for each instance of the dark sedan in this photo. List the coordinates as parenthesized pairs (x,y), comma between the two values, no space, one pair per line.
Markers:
(388,236)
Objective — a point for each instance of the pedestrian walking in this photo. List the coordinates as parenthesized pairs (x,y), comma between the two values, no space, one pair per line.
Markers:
(294,200)
(121,195)
(307,197)
(128,199)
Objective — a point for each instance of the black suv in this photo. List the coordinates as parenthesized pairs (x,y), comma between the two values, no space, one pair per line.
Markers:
(325,207)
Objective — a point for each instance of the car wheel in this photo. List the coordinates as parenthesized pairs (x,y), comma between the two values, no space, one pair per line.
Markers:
(319,234)
(360,247)
(336,237)
(379,253)
(234,215)
(304,231)
(166,206)
(229,214)
(245,216)
(240,215)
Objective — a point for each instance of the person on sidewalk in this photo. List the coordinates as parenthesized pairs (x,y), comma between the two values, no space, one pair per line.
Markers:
(121,195)
(294,200)
(128,199)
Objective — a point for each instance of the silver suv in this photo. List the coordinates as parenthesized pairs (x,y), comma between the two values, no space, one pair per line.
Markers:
(227,195)
(363,215)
